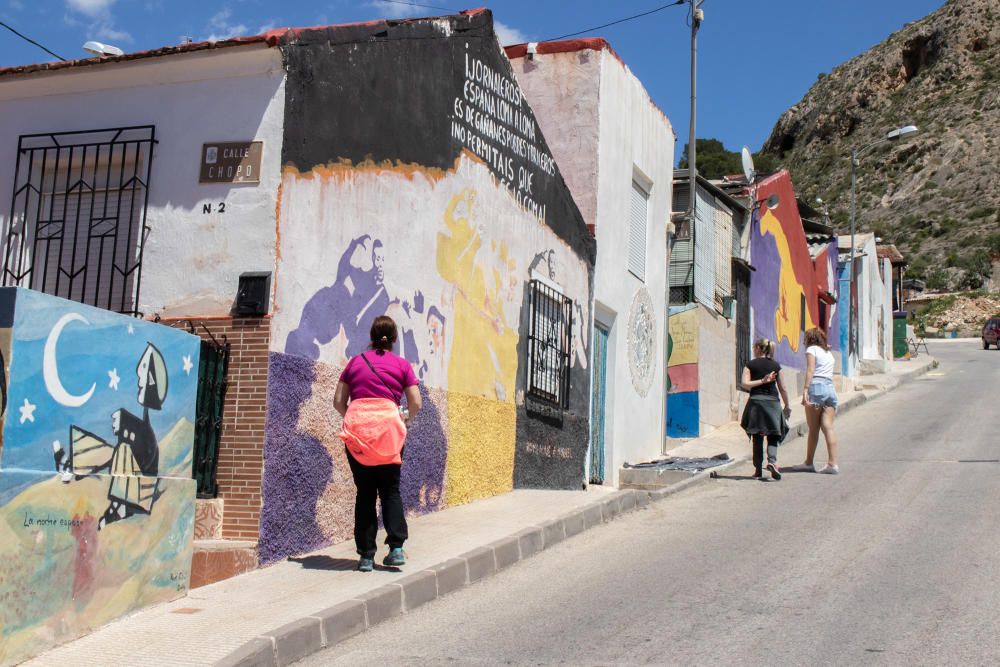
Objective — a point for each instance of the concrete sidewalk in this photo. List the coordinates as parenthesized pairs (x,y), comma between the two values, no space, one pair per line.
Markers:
(279,614)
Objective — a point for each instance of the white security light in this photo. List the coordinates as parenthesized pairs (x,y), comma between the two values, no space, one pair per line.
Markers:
(99,49)
(901,132)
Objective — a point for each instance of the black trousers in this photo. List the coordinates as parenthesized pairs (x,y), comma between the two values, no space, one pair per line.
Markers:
(758,450)
(380,482)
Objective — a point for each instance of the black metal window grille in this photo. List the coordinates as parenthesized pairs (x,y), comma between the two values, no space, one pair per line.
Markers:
(213,369)
(549,340)
(77,224)
(681,295)
(741,289)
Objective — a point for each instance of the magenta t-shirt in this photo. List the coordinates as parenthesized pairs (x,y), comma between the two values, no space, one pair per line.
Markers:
(363,383)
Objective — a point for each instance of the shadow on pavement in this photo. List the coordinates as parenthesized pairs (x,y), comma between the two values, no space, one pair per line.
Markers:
(335,564)
(743,478)
(326,563)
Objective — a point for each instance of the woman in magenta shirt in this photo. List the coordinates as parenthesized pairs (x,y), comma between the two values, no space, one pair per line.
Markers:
(368,397)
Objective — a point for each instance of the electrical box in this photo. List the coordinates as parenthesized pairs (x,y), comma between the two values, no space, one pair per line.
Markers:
(253,294)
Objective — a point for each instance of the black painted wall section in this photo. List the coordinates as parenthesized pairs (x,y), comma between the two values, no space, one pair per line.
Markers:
(386,90)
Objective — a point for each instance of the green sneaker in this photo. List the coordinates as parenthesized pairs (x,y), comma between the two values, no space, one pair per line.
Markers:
(395,557)
(366,564)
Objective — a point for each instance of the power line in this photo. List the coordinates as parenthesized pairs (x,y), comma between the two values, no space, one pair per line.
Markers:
(417,4)
(28,39)
(627,18)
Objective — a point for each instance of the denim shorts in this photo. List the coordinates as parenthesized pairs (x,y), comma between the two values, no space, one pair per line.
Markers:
(822,393)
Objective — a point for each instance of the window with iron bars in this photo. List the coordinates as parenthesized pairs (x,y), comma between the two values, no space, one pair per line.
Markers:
(549,344)
(741,288)
(77,224)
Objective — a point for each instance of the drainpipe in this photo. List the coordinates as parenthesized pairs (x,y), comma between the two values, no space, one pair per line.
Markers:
(666,334)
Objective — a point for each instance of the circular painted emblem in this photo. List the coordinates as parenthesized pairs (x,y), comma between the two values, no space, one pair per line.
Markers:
(642,341)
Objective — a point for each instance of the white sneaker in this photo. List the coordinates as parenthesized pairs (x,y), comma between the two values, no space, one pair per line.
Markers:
(830,470)
(801,467)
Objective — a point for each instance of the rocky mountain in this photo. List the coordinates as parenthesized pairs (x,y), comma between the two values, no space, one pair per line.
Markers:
(935,194)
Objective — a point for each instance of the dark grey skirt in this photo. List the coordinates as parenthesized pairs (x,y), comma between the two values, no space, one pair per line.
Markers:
(762,415)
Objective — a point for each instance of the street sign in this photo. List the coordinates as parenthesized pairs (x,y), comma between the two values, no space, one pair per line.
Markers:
(231,162)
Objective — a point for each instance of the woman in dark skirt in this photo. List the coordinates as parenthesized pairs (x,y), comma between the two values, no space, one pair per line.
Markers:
(763,416)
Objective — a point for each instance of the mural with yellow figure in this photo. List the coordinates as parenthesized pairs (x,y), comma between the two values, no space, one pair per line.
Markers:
(682,373)
(791,311)
(783,291)
(483,364)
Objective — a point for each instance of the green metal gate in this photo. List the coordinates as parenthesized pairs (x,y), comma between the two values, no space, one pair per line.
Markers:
(212,371)
(598,399)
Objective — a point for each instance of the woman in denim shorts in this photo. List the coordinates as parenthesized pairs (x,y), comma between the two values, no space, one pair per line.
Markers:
(820,399)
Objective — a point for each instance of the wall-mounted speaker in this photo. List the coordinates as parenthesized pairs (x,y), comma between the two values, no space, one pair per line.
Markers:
(253,294)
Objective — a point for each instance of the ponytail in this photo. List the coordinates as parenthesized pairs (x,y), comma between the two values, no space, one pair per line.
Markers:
(383,334)
(765,346)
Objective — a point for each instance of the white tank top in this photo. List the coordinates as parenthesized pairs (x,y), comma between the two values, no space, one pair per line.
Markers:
(824,362)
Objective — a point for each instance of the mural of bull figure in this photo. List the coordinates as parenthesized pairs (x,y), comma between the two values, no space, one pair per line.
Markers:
(133,461)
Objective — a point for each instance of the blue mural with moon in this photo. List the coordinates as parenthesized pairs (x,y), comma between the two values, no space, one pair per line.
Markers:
(96,489)
(76,365)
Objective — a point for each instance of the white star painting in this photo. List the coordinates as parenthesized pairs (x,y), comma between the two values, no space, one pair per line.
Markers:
(113,379)
(187,364)
(27,412)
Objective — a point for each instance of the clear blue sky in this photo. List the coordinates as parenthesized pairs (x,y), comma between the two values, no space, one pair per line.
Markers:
(756,57)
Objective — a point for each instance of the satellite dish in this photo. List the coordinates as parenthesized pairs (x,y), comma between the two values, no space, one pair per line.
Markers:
(748,169)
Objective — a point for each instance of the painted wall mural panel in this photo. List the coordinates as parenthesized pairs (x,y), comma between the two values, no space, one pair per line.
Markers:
(96,494)
(827,280)
(682,373)
(783,292)
(442,228)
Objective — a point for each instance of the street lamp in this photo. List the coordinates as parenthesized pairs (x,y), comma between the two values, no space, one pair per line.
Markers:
(856,153)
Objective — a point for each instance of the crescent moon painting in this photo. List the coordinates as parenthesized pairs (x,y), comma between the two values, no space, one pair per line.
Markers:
(50,369)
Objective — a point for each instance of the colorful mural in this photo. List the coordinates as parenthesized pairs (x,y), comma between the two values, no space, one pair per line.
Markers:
(783,292)
(827,285)
(848,347)
(96,494)
(682,373)
(438,210)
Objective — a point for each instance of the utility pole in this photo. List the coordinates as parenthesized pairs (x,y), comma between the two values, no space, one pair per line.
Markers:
(697,16)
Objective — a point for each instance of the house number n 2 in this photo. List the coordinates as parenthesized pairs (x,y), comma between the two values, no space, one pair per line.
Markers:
(207,208)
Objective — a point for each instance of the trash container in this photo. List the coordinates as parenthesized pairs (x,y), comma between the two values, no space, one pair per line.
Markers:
(900,348)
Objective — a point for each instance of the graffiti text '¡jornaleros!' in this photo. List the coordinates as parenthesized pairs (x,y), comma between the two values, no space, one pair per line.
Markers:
(489,120)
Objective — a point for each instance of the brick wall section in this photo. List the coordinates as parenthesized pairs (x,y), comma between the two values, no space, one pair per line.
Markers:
(241,451)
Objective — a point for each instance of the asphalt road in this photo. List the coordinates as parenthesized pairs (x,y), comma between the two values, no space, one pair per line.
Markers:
(896,561)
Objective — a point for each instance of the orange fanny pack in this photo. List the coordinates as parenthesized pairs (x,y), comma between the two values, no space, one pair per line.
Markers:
(373,431)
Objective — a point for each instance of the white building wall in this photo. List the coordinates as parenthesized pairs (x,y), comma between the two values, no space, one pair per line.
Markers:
(564,91)
(192,259)
(604,131)
(634,136)
(718,399)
